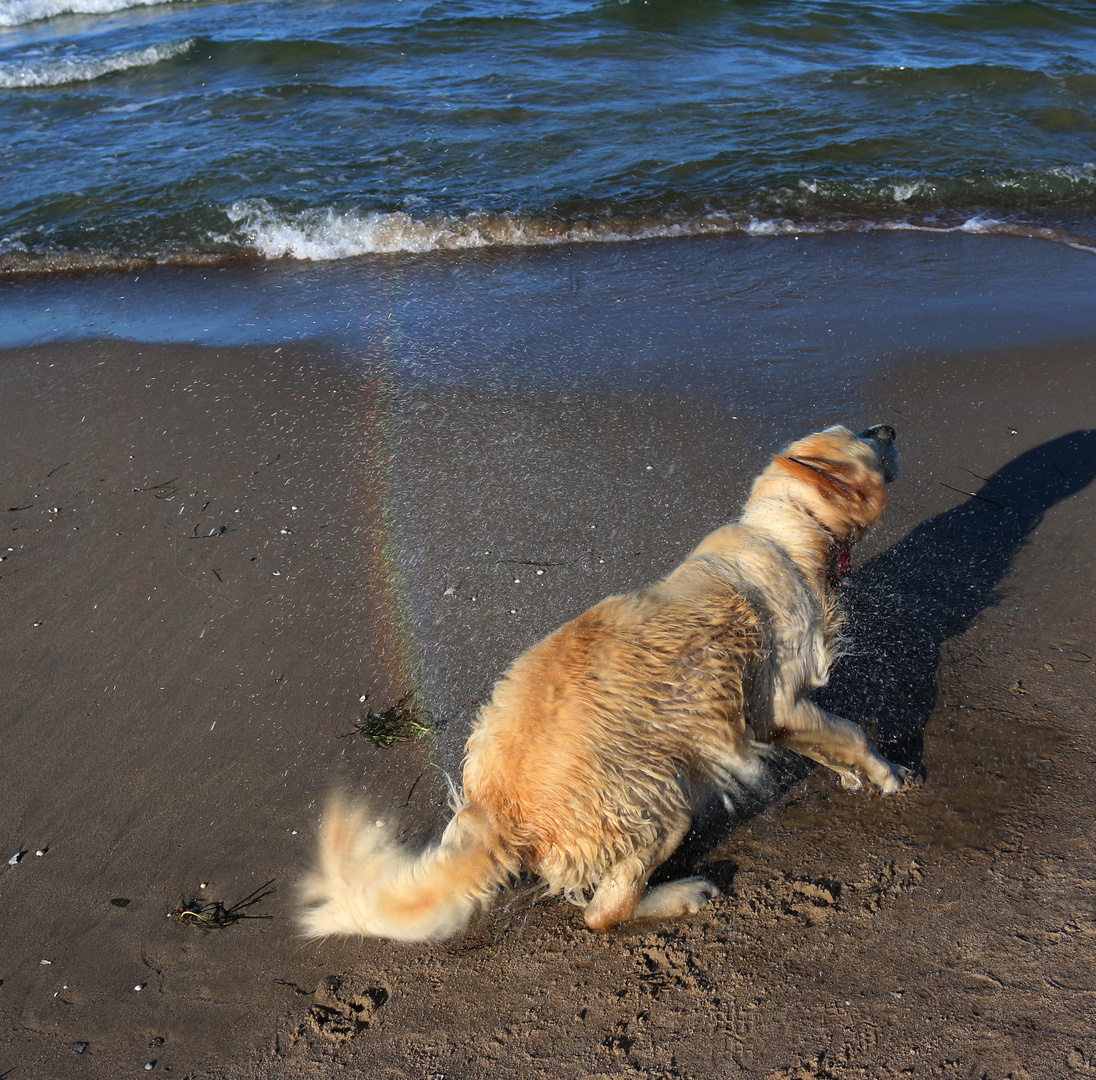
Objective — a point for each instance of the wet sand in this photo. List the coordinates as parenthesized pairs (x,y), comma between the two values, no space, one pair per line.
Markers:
(217,552)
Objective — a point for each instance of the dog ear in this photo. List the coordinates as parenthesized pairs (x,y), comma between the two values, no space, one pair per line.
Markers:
(817,473)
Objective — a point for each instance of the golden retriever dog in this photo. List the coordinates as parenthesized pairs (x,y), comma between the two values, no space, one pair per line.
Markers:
(601,741)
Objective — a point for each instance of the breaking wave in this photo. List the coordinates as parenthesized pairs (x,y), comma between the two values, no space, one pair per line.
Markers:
(1052,205)
(323,235)
(57,70)
(19,12)
(326,234)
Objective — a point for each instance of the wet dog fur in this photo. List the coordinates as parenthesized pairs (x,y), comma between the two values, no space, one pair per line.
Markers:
(600,742)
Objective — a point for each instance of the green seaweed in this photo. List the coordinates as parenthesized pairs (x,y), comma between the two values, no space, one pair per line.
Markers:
(398,723)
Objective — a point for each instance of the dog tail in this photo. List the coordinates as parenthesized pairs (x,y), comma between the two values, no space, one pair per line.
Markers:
(367,883)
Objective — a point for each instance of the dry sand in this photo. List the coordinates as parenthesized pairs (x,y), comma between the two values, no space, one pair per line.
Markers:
(212,555)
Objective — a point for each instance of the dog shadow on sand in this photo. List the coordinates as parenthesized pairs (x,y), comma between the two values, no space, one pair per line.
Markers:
(903,606)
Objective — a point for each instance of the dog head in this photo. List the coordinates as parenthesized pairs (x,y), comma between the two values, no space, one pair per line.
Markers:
(836,477)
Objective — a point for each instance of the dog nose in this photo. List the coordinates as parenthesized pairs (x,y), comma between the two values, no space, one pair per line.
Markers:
(882,432)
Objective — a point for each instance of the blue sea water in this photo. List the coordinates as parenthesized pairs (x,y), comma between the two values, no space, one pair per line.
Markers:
(134,132)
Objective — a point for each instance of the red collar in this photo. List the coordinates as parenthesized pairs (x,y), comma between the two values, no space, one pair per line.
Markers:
(844,560)
(840,560)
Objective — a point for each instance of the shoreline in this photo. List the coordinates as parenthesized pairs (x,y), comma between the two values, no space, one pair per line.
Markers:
(354,241)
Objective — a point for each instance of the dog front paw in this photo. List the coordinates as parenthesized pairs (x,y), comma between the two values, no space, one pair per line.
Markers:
(900,779)
(701,893)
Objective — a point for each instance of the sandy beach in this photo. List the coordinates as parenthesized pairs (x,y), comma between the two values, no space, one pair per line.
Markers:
(219,559)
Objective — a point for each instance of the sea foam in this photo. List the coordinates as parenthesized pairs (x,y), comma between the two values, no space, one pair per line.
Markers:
(18,12)
(54,69)
(323,235)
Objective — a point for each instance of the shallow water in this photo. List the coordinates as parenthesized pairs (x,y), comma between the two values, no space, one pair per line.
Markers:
(136,131)
(767,320)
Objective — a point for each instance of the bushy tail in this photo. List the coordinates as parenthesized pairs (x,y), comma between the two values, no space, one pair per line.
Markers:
(367,883)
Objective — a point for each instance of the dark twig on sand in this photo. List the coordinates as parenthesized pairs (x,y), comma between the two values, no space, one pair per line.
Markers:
(163,490)
(977,476)
(407,801)
(973,495)
(214,915)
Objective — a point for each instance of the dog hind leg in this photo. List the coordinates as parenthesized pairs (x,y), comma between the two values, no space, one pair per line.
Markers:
(840,745)
(622,893)
(686,896)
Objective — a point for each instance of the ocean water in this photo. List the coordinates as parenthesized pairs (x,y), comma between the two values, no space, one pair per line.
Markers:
(206,131)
